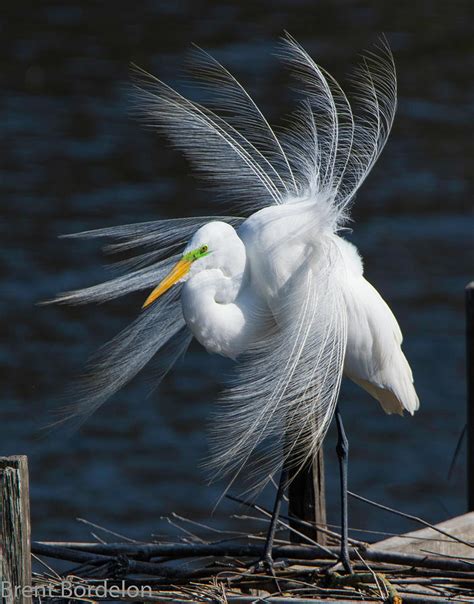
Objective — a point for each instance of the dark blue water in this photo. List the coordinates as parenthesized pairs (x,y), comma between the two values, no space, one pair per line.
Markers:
(72,158)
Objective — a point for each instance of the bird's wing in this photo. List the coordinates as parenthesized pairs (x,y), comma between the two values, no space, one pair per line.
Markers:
(286,389)
(374,358)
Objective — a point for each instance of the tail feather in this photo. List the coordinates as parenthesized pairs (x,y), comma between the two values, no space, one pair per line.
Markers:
(397,402)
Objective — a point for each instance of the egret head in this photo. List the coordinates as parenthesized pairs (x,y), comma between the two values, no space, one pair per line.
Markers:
(212,246)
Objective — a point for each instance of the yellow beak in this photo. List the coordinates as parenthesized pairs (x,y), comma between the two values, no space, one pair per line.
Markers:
(179,271)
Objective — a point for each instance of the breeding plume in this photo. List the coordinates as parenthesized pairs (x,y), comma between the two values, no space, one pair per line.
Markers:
(280,290)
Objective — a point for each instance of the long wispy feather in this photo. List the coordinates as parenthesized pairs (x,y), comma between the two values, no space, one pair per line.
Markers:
(327,142)
(136,280)
(376,103)
(162,237)
(336,143)
(226,96)
(284,395)
(327,151)
(241,173)
(165,237)
(159,329)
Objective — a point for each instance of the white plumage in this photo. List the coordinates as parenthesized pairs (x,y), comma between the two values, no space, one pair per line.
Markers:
(280,291)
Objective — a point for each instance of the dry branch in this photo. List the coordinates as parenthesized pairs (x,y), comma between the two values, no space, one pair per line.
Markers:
(100,553)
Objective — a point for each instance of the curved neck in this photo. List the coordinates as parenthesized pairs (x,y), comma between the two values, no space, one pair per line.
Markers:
(219,305)
(220,311)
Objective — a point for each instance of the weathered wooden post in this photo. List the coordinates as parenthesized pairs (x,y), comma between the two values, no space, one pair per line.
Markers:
(15,538)
(470,392)
(307,500)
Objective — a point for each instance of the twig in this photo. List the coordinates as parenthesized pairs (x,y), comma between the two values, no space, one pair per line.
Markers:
(454,458)
(296,532)
(105,530)
(212,529)
(410,517)
(374,575)
(467,559)
(297,520)
(193,536)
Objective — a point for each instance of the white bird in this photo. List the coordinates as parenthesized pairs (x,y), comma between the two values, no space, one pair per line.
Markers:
(281,291)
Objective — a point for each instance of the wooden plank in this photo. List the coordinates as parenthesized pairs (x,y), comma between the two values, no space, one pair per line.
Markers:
(470,393)
(15,532)
(307,500)
(427,539)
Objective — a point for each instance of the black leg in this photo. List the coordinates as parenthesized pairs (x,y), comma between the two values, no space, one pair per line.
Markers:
(267,558)
(342,449)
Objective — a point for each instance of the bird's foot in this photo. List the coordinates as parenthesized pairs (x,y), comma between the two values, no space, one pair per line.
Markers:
(266,564)
(342,563)
(346,563)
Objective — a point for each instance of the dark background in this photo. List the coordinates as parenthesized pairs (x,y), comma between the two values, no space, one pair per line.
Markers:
(73,158)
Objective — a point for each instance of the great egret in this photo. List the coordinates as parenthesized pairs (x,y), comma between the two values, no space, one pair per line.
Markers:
(281,290)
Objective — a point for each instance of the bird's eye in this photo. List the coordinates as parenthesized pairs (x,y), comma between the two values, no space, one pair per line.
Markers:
(204,249)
